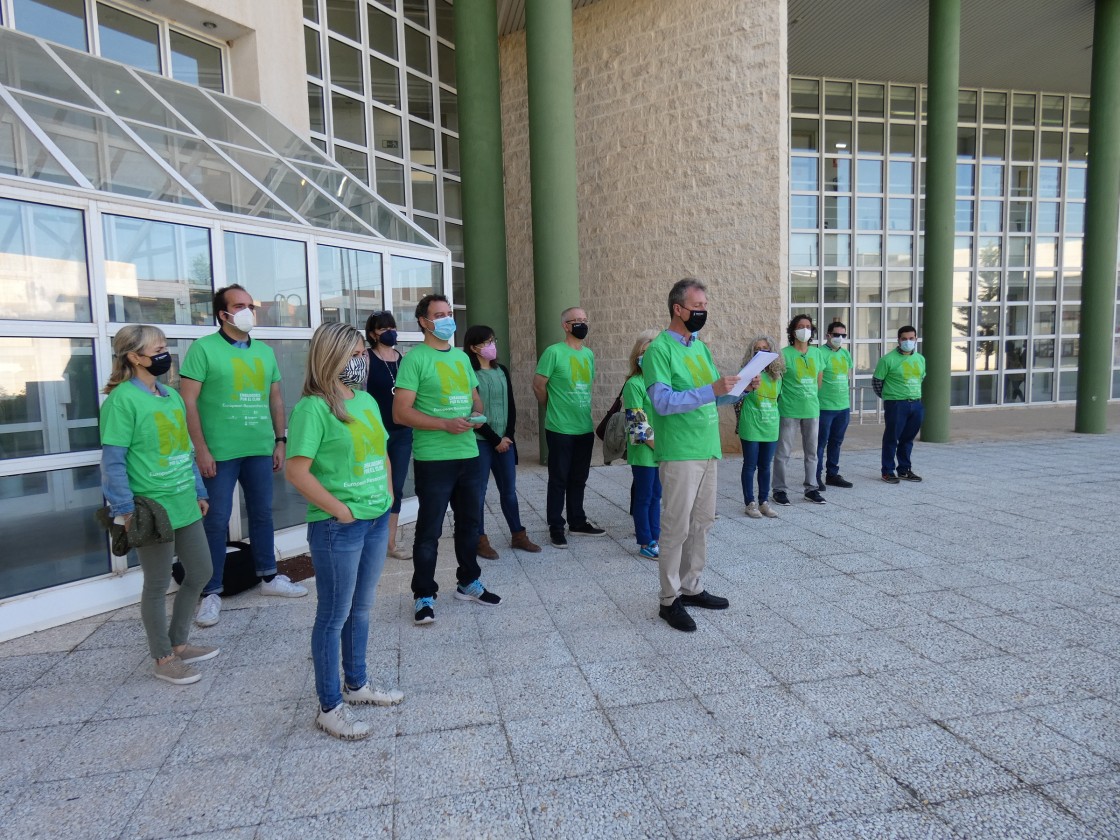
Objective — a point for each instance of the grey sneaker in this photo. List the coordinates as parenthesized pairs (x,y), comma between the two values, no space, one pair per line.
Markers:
(197,653)
(176,672)
(767,511)
(752,510)
(341,723)
(366,696)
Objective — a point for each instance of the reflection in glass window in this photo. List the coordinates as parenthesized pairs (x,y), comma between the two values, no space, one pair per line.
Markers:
(803,249)
(384,83)
(196,62)
(274,271)
(43,263)
(22,154)
(420,98)
(48,530)
(412,279)
(342,17)
(48,397)
(803,173)
(349,119)
(157,272)
(349,284)
(127,38)
(382,31)
(346,66)
(61,21)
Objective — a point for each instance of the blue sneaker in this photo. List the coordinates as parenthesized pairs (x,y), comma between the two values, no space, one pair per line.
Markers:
(425,611)
(475,591)
(649,551)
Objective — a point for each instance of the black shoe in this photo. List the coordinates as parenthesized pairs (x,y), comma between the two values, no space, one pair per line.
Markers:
(837,481)
(677,617)
(706,600)
(890,478)
(908,475)
(557,539)
(814,496)
(587,529)
(780,498)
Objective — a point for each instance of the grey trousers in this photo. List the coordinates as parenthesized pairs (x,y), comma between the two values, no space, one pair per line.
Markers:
(787,433)
(688,509)
(155,561)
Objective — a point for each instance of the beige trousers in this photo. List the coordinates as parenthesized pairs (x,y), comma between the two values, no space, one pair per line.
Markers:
(688,509)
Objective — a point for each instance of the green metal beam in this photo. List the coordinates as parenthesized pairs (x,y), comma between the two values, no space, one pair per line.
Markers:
(1102,215)
(941,162)
(480,155)
(552,162)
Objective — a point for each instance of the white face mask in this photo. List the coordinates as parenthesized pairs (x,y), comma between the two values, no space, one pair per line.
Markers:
(908,345)
(837,340)
(244,320)
(803,334)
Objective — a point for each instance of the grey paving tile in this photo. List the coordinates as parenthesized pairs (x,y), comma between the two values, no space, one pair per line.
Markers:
(905,824)
(857,704)
(493,814)
(565,745)
(941,642)
(873,651)
(507,620)
(53,705)
(24,753)
(1086,670)
(128,634)
(1008,598)
(18,672)
(117,746)
(718,671)
(448,705)
(947,606)
(533,693)
(260,683)
(452,762)
(1027,681)
(760,719)
(1074,627)
(1020,815)
(801,660)
(898,582)
(725,796)
(821,619)
(334,777)
(216,734)
(828,780)
(1093,723)
(54,640)
(605,644)
(435,664)
(1092,800)
(626,682)
(108,665)
(666,731)
(232,794)
(528,652)
(92,806)
(609,805)
(1028,749)
(882,611)
(934,764)
(143,694)
(1011,635)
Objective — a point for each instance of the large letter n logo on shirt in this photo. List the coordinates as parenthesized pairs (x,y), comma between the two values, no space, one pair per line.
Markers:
(581,371)
(699,371)
(172,433)
(246,378)
(452,379)
(368,438)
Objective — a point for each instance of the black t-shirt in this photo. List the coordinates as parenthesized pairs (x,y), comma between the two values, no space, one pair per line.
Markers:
(380,383)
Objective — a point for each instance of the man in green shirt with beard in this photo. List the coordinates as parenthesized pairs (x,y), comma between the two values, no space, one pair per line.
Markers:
(684,388)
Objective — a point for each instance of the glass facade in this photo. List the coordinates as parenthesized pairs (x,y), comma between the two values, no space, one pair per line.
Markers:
(150,208)
(383,101)
(857,183)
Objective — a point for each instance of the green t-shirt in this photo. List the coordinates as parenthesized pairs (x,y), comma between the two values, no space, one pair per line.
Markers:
(836,365)
(569,373)
(348,458)
(692,435)
(494,394)
(160,459)
(444,384)
(902,375)
(635,397)
(233,402)
(798,399)
(758,416)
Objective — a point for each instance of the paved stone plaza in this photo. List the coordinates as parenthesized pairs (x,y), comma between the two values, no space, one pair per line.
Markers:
(938,661)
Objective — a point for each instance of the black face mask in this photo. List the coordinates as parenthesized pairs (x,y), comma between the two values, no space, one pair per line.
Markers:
(579,331)
(696,319)
(388,338)
(161,364)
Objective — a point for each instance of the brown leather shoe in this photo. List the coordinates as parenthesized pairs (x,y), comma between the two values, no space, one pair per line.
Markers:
(521,540)
(486,550)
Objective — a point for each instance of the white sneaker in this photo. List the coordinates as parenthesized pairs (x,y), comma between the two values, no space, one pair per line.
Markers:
(767,511)
(341,723)
(366,696)
(209,611)
(282,585)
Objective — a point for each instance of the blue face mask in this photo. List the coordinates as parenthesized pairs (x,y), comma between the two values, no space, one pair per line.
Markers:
(443,328)
(907,345)
(640,357)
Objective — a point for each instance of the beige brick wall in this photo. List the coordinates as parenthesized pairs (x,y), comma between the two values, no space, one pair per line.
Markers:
(681,153)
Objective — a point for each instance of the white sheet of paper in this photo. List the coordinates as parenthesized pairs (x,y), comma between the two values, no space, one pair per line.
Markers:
(750,370)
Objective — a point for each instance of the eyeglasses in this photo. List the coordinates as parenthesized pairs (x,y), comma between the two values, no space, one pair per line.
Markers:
(577,321)
(839,335)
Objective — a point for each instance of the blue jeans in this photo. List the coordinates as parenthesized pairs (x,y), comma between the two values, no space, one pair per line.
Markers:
(504,467)
(830,435)
(757,456)
(439,483)
(569,464)
(903,420)
(348,560)
(646,500)
(255,475)
(399,450)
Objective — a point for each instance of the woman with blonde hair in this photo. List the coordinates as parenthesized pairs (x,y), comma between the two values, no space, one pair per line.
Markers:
(147,452)
(646,493)
(337,460)
(758,429)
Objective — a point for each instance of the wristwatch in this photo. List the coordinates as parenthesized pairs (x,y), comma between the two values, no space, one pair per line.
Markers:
(283,439)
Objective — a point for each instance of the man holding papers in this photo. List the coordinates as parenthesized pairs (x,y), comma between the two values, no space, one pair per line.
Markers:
(684,388)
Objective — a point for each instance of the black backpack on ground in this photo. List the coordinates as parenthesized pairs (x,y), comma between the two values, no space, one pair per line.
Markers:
(240,571)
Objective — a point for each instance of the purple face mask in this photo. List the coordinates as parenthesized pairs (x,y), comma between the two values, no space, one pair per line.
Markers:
(489,351)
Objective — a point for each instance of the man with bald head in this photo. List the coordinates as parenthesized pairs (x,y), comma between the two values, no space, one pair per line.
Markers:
(562,385)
